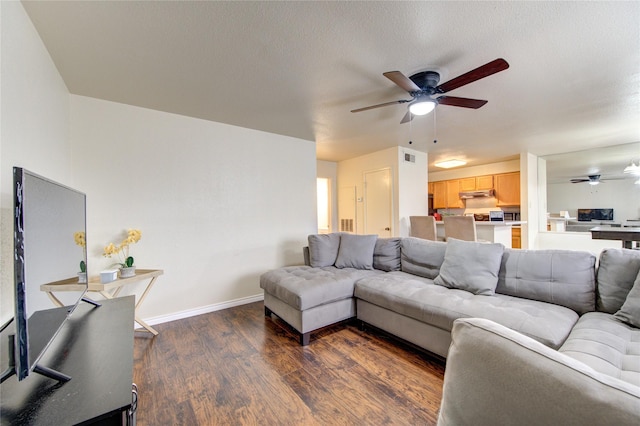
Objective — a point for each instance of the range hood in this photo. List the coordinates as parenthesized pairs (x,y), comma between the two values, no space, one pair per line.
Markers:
(485,193)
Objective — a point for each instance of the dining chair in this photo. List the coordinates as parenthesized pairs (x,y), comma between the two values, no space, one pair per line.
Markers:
(460,227)
(423,227)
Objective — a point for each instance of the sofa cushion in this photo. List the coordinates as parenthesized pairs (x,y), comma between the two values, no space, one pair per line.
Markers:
(630,310)
(617,271)
(323,249)
(356,251)
(562,277)
(422,257)
(471,266)
(304,287)
(440,306)
(606,345)
(386,254)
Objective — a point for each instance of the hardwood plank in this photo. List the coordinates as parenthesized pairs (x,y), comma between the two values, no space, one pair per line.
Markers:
(236,367)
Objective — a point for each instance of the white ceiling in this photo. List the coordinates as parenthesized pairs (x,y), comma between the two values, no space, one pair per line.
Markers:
(298,68)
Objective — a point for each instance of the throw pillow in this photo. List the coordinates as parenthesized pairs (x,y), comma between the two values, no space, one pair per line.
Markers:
(323,249)
(471,266)
(617,270)
(630,310)
(356,251)
(422,257)
(386,254)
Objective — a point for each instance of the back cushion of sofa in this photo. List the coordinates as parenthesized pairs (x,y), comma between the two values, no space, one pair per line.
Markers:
(422,257)
(323,249)
(617,271)
(561,277)
(386,254)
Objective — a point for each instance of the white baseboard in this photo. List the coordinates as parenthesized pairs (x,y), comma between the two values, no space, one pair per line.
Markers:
(202,310)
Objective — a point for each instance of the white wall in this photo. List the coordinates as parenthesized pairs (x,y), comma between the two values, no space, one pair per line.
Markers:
(621,195)
(34,125)
(413,189)
(484,169)
(218,205)
(409,184)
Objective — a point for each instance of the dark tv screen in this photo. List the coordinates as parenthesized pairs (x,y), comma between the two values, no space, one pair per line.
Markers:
(586,215)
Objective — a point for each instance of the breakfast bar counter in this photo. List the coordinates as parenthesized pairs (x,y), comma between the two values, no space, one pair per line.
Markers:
(495,232)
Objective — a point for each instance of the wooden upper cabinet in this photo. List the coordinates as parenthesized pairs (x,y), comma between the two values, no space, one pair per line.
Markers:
(508,189)
(468,184)
(476,183)
(430,187)
(453,195)
(440,195)
(484,182)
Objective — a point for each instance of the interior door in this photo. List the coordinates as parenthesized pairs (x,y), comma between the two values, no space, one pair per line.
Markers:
(378,196)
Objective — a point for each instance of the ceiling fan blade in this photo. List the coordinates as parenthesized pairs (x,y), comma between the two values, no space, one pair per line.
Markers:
(579,180)
(401,101)
(402,81)
(461,102)
(483,71)
(407,118)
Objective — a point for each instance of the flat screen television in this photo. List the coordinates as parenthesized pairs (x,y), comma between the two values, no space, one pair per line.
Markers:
(49,245)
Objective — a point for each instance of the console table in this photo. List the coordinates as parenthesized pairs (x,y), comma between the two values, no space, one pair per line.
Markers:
(94,347)
(109,290)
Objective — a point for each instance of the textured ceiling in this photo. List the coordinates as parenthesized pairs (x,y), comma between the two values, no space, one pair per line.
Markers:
(298,68)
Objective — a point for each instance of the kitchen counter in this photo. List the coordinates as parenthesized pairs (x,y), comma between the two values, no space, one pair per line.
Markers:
(494,232)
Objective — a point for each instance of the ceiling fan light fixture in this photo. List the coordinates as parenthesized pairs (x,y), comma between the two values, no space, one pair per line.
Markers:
(422,106)
(450,163)
(594,182)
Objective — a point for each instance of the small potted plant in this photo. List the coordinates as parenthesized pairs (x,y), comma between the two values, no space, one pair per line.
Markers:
(80,240)
(127,267)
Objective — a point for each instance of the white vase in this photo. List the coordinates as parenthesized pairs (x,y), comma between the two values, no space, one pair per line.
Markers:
(128,272)
(82,277)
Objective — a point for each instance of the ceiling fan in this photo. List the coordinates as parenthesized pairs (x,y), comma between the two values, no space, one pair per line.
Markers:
(592,179)
(423,85)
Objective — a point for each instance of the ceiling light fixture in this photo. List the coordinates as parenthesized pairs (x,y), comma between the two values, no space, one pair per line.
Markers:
(450,163)
(594,182)
(632,168)
(422,105)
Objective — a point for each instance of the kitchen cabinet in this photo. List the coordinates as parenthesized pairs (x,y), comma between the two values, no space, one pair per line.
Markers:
(430,187)
(453,195)
(440,195)
(476,183)
(508,189)
(516,237)
(468,184)
(484,182)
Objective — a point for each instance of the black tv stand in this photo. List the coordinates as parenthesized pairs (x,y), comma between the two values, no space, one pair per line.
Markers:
(91,302)
(95,347)
(51,373)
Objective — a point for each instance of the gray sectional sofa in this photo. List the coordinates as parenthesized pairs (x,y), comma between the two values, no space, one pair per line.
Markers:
(555,306)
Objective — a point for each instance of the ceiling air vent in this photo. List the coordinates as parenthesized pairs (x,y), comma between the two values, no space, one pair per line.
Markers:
(409,158)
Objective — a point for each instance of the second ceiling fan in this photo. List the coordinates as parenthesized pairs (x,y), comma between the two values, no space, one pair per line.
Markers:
(423,85)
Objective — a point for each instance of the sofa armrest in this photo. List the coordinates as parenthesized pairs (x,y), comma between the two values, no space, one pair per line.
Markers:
(496,376)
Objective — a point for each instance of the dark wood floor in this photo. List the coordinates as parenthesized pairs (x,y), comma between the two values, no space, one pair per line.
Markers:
(238,367)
